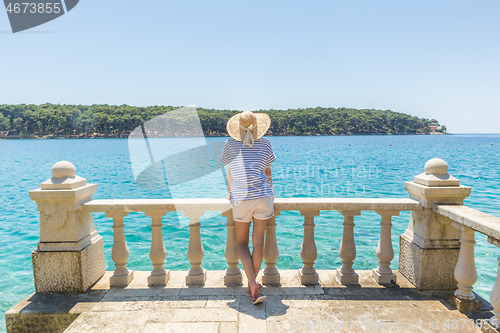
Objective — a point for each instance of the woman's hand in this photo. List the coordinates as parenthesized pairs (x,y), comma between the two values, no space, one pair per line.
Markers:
(229,196)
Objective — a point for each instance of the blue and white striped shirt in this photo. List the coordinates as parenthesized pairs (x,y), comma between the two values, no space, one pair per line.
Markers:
(247,166)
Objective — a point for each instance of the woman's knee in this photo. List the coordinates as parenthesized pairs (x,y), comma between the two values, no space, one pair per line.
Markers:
(258,242)
(258,238)
(242,244)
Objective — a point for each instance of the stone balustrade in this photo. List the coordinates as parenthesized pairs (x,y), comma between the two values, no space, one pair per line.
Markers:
(308,208)
(469,221)
(436,250)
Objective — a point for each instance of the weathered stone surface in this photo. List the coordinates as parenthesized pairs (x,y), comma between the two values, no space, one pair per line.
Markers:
(427,269)
(50,312)
(39,323)
(98,322)
(64,271)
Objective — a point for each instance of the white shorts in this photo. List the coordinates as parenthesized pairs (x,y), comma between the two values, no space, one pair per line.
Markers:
(260,209)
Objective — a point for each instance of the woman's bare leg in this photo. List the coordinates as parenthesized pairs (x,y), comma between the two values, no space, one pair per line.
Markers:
(242,230)
(259,229)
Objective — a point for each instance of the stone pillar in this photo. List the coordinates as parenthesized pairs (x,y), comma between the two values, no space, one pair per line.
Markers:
(233,273)
(465,272)
(157,254)
(307,274)
(196,275)
(271,275)
(385,252)
(347,252)
(70,254)
(429,247)
(119,253)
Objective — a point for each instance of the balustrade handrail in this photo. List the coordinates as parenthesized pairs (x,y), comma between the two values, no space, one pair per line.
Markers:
(280,204)
(484,223)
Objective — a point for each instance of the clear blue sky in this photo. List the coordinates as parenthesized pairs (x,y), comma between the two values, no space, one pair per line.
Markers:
(434,59)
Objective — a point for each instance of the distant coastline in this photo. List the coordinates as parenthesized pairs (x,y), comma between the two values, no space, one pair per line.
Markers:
(99,136)
(56,121)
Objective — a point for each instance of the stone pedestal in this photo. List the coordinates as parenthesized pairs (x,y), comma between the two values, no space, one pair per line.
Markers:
(66,271)
(383,278)
(271,280)
(465,305)
(429,247)
(232,279)
(70,254)
(121,281)
(427,268)
(197,280)
(159,280)
(308,279)
(346,279)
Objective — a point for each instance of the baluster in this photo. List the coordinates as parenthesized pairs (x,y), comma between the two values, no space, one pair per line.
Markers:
(233,273)
(271,275)
(495,291)
(385,251)
(465,270)
(347,252)
(159,275)
(196,274)
(308,252)
(119,253)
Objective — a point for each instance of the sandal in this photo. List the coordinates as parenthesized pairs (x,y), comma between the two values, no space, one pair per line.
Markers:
(258,299)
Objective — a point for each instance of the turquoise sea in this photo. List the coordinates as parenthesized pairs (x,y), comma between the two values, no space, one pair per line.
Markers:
(320,166)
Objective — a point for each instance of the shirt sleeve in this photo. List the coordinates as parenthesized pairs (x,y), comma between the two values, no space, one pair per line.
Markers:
(224,157)
(270,157)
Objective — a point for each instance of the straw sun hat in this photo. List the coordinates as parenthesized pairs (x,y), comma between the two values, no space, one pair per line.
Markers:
(248,126)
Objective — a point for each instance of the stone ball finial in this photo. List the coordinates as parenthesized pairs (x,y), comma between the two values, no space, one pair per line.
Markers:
(63,169)
(436,166)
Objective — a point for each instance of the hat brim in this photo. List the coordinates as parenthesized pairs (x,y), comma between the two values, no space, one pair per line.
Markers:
(234,130)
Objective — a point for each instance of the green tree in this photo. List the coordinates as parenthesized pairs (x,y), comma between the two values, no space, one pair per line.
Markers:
(4,123)
(18,124)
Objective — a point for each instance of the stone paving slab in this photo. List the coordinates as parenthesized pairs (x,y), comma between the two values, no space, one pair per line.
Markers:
(291,307)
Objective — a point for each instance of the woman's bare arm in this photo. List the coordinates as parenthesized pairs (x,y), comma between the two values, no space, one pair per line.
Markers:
(229,183)
(268,174)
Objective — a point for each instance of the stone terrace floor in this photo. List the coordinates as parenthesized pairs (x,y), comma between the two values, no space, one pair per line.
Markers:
(328,307)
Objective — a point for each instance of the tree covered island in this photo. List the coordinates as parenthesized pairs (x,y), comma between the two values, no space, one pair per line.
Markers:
(102,120)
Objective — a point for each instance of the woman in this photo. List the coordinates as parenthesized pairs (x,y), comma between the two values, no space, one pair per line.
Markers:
(249,158)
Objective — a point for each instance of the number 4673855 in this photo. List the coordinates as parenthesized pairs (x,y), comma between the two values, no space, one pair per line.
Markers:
(34,8)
